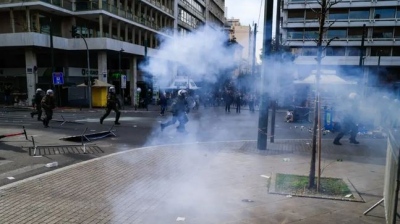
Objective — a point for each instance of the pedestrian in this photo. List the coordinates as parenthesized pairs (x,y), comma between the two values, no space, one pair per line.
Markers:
(112,104)
(238,101)
(349,124)
(228,101)
(251,102)
(163,103)
(7,94)
(179,109)
(48,104)
(38,104)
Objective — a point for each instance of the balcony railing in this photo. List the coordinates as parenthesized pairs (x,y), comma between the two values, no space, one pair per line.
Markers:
(65,4)
(94,5)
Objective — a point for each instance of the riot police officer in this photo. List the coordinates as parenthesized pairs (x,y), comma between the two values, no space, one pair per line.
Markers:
(349,122)
(48,104)
(112,104)
(38,104)
(179,108)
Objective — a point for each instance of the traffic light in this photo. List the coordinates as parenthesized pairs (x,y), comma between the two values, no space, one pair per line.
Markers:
(74,31)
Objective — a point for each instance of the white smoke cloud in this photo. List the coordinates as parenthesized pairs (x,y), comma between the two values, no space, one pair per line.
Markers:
(200,54)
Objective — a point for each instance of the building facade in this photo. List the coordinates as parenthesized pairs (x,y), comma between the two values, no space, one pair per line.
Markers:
(243,36)
(120,34)
(381,58)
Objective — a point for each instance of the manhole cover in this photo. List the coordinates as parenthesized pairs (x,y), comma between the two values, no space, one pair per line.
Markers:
(43,151)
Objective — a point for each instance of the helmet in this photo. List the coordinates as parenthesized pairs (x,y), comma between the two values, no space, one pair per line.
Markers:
(353,96)
(111,89)
(49,91)
(182,92)
(39,90)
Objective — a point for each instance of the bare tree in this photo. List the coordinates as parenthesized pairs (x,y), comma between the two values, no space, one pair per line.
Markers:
(322,13)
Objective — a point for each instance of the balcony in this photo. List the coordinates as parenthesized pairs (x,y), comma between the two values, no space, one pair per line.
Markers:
(186,5)
(300,4)
(159,6)
(65,4)
(90,6)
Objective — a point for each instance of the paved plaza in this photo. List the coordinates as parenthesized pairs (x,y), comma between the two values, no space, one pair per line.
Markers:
(201,183)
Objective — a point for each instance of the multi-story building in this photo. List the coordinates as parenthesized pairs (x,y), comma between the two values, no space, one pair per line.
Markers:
(242,34)
(119,34)
(381,59)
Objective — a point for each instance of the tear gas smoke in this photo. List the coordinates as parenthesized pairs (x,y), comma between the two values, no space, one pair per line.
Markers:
(201,55)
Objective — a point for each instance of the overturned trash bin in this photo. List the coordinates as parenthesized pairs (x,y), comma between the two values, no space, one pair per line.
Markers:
(90,137)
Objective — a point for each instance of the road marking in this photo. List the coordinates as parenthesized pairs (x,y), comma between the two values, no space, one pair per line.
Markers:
(4,162)
(21,170)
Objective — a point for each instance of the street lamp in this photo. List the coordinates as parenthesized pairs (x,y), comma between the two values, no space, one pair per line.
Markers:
(120,74)
(75,33)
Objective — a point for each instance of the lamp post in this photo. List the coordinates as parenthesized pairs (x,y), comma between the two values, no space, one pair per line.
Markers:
(74,33)
(89,80)
(120,73)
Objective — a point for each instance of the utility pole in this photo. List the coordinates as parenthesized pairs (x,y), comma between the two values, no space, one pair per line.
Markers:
(253,66)
(53,68)
(264,107)
(277,56)
(361,62)
(120,73)
(74,33)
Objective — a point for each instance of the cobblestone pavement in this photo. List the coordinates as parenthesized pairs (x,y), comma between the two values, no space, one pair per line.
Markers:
(201,183)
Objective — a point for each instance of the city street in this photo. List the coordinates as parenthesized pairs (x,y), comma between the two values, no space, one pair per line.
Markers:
(209,175)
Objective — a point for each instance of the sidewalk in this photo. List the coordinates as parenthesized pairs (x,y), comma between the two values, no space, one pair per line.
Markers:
(201,183)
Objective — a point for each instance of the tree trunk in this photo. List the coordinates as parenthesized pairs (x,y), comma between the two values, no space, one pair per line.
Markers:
(321,16)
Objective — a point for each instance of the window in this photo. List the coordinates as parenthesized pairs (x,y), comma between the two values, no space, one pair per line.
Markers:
(335,51)
(296,15)
(340,33)
(338,14)
(295,34)
(380,51)
(398,12)
(359,14)
(311,15)
(397,32)
(353,51)
(384,13)
(383,32)
(396,51)
(309,51)
(310,34)
(355,33)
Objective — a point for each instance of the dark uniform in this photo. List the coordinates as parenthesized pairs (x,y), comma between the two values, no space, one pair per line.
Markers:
(179,109)
(112,102)
(38,106)
(48,104)
(349,124)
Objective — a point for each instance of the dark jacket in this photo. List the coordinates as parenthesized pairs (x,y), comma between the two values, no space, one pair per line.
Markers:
(112,100)
(38,98)
(179,106)
(48,102)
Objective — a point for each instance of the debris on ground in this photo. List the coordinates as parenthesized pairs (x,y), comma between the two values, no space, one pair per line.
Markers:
(348,196)
(265,176)
(289,196)
(286,159)
(247,200)
(180,219)
(53,164)
(11,178)
(339,160)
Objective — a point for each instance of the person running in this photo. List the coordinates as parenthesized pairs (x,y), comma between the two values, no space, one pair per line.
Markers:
(48,104)
(38,104)
(349,121)
(112,104)
(179,109)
